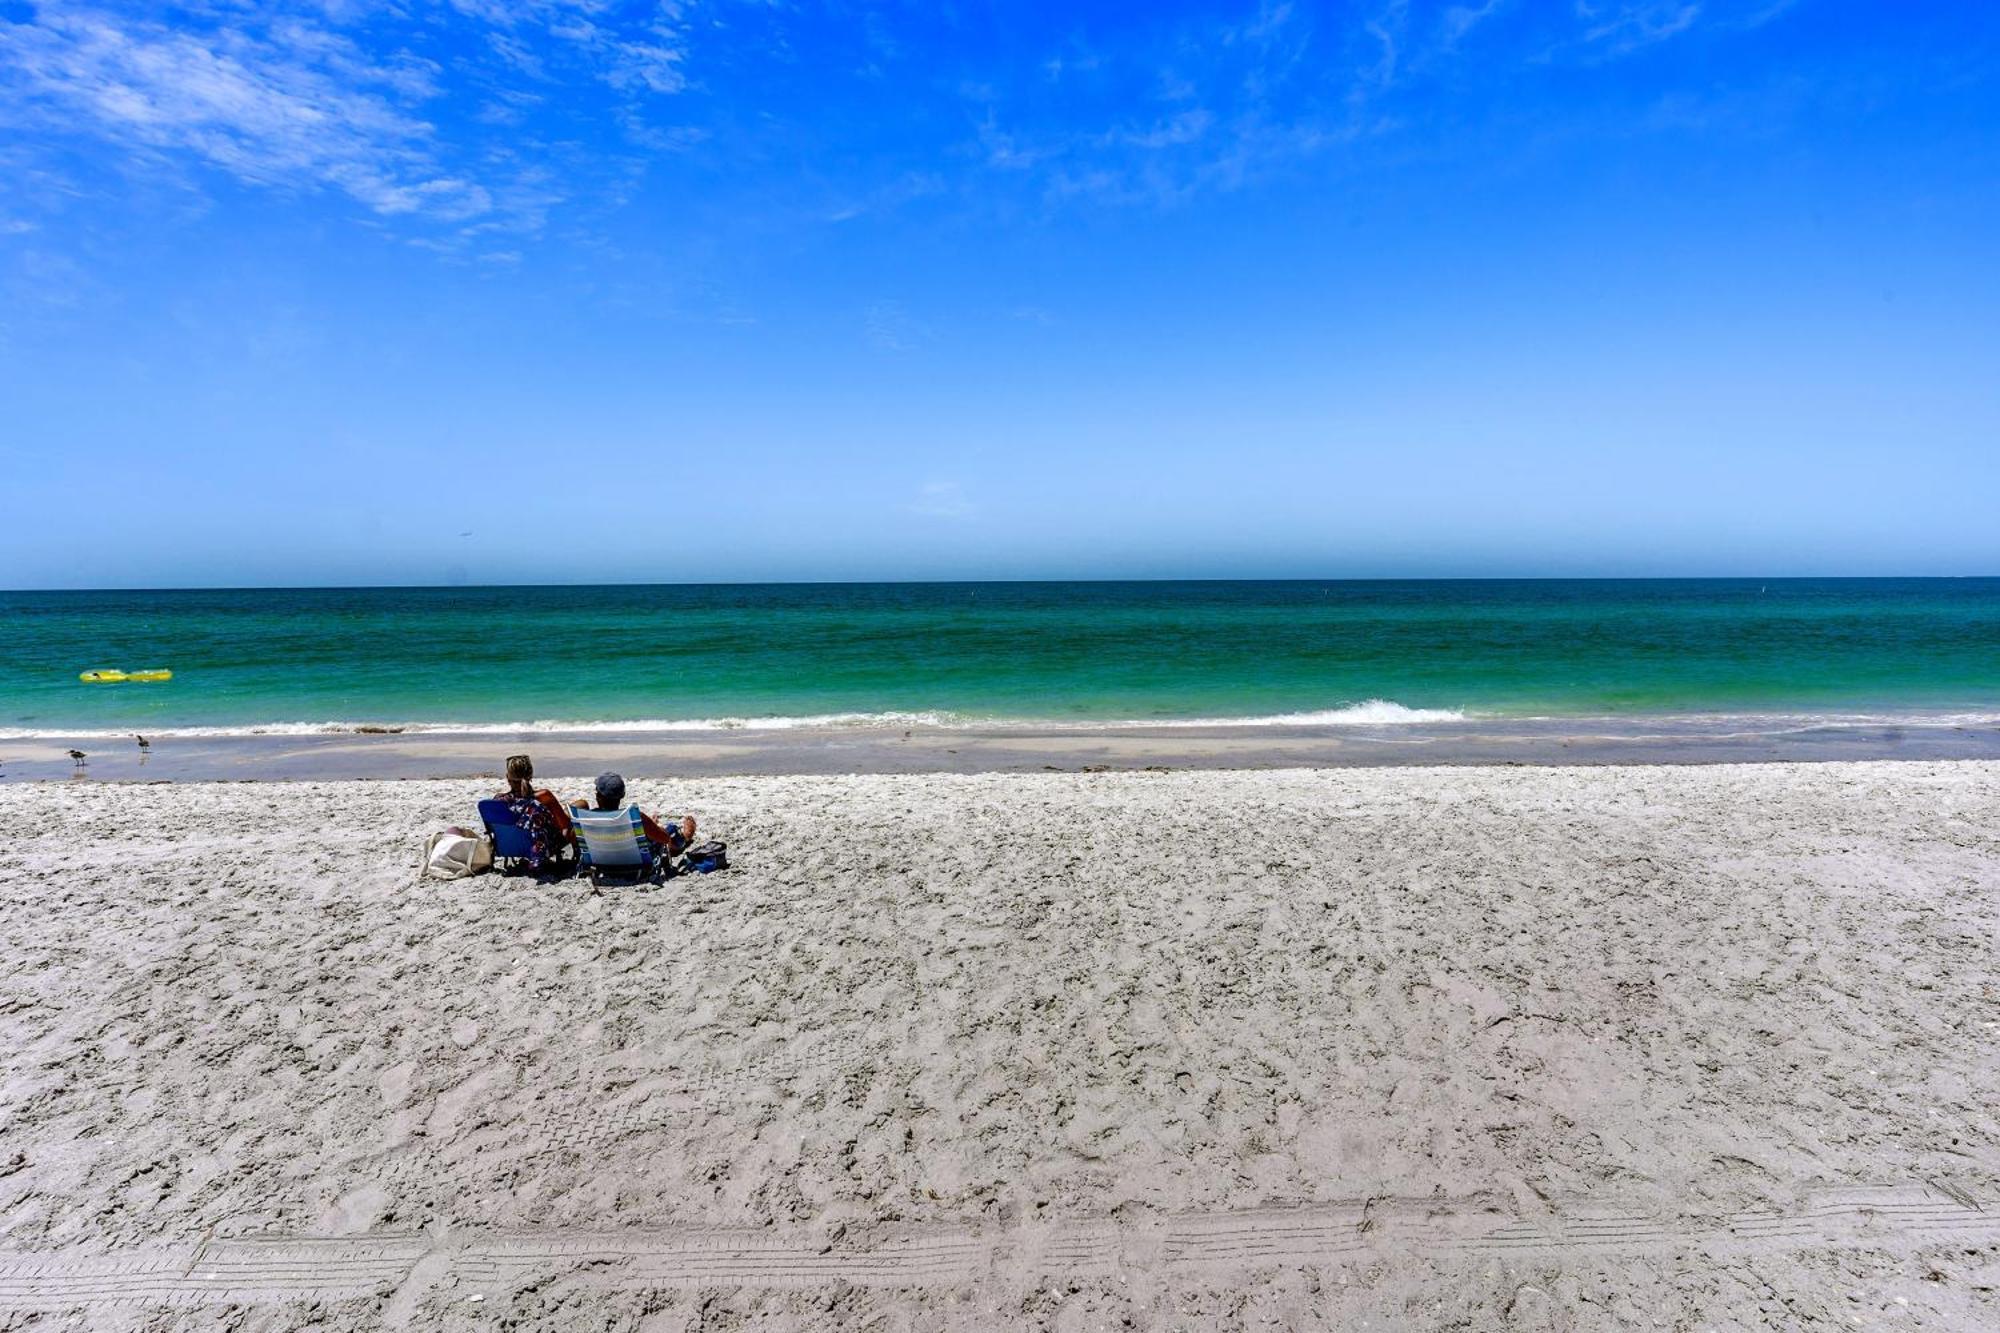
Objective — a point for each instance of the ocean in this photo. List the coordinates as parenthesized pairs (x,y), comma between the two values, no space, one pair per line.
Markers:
(1305,652)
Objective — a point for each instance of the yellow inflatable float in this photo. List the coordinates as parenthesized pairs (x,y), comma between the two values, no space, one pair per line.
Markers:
(101,677)
(113,677)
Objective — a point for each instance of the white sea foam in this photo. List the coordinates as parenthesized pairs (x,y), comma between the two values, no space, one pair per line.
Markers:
(1368,713)
(830,721)
(807,722)
(1372,712)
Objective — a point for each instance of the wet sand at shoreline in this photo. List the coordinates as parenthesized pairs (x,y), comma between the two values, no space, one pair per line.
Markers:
(885,750)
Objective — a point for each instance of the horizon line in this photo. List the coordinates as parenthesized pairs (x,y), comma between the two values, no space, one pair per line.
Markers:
(1013,582)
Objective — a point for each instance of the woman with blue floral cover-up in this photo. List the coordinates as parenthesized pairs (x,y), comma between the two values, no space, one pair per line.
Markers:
(538,812)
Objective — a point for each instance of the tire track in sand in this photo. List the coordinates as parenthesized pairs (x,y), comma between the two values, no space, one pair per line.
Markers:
(276,1270)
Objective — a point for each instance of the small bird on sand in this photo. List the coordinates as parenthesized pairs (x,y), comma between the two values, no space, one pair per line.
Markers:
(145,744)
(79,758)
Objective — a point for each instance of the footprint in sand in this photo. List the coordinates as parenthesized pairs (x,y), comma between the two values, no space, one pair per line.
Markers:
(355,1212)
(453,1106)
(395,1084)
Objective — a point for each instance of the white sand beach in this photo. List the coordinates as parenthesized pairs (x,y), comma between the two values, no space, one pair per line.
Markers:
(1536,1048)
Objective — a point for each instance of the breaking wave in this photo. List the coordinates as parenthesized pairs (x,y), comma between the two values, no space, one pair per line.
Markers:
(1370,712)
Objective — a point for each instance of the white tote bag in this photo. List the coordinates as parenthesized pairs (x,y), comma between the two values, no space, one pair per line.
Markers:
(453,855)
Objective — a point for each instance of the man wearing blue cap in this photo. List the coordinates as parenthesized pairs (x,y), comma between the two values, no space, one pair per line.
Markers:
(672,840)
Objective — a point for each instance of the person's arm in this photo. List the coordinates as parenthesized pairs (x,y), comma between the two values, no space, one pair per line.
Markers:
(658,836)
(557,812)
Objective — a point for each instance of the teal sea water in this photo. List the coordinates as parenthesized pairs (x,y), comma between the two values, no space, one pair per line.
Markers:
(848,654)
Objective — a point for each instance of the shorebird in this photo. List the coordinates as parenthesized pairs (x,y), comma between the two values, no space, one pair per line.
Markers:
(145,744)
(79,758)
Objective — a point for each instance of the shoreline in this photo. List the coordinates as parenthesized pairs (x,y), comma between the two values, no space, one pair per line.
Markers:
(826,751)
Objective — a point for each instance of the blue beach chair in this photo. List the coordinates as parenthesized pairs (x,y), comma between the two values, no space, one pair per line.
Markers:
(615,848)
(512,844)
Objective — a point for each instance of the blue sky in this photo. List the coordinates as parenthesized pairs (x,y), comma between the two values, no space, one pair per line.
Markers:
(522,290)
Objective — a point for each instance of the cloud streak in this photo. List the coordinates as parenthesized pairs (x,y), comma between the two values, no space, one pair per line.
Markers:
(462,124)
(1167,115)
(341,97)
(1628,26)
(298,106)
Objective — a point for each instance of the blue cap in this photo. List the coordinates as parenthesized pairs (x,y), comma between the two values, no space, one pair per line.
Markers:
(610,789)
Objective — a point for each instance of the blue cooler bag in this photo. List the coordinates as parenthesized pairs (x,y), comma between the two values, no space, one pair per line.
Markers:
(708,856)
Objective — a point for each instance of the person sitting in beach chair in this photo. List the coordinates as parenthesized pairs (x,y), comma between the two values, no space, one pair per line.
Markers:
(625,842)
(671,838)
(527,825)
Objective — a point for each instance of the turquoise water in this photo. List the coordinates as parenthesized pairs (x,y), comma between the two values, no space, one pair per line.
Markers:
(1058,652)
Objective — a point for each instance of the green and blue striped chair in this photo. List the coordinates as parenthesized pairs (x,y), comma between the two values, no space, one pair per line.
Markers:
(614,846)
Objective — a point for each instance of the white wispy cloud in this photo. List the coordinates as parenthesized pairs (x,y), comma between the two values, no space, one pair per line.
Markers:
(648,54)
(330,96)
(653,65)
(1458,20)
(1386,28)
(1183,127)
(471,124)
(888,196)
(1630,24)
(1199,109)
(1269,20)
(1764,13)
(1218,104)
(292,107)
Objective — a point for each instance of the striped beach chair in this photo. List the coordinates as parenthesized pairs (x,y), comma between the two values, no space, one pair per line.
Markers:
(614,846)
